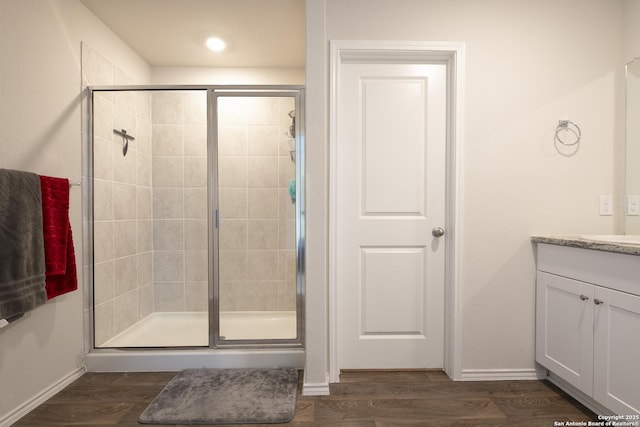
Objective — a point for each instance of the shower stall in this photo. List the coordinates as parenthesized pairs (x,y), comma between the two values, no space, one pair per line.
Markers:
(196,213)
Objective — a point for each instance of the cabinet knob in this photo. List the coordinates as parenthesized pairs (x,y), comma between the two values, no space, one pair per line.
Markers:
(584,297)
(598,301)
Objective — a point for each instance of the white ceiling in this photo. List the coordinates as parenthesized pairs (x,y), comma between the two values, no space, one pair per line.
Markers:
(171,33)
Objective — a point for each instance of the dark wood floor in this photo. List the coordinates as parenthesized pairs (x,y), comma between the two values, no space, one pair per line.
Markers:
(362,399)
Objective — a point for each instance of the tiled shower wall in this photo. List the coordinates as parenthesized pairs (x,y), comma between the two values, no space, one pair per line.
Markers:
(123,291)
(257,232)
(257,225)
(179,140)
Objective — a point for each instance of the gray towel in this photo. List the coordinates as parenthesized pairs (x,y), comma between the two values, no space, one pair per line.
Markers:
(22,278)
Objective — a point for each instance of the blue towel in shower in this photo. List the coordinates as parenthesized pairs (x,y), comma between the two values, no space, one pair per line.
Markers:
(292,190)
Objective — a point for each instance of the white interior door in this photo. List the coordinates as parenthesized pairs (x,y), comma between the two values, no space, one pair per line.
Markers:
(390,195)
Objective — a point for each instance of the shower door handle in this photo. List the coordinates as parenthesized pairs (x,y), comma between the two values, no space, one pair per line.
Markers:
(437,232)
(217,218)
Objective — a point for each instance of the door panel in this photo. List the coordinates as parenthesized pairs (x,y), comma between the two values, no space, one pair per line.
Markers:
(564,329)
(616,355)
(391,133)
(400,312)
(394,139)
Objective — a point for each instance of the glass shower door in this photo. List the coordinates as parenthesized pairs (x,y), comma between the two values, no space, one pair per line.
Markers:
(257,290)
(197,225)
(150,214)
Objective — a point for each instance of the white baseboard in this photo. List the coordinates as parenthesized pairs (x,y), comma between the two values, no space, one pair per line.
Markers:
(40,398)
(502,374)
(315,389)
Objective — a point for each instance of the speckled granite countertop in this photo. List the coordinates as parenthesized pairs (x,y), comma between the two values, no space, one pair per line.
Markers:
(600,243)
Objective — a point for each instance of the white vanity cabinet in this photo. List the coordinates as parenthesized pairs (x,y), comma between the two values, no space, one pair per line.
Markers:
(588,324)
(616,356)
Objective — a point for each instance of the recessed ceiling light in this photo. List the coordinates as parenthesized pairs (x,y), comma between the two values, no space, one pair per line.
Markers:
(216,44)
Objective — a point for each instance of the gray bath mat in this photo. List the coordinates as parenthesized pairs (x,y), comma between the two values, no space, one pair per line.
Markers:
(225,396)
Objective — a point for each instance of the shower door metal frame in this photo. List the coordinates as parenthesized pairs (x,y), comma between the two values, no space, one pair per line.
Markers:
(213,92)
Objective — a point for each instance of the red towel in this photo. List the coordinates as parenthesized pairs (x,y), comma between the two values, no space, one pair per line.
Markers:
(59,254)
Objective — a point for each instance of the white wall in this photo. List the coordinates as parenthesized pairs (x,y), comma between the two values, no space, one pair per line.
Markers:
(40,132)
(528,65)
(316,181)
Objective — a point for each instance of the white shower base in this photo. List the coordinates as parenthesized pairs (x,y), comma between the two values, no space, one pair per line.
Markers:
(191,329)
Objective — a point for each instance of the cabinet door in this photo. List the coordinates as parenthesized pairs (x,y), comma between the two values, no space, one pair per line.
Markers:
(617,351)
(564,329)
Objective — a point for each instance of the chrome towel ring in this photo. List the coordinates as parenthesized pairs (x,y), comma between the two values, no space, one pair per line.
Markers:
(568,127)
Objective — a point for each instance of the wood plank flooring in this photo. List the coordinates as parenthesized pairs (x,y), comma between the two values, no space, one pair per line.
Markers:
(361,399)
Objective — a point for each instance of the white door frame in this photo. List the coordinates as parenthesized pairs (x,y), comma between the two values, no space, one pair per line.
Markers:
(451,54)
